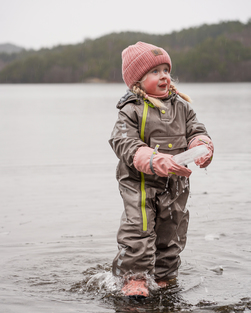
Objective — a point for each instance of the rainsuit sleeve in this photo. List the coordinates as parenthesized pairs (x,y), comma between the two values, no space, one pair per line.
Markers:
(193,126)
(125,139)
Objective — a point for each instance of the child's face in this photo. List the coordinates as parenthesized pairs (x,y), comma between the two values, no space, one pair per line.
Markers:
(157,80)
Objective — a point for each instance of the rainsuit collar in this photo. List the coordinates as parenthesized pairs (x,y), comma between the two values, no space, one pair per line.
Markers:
(131,97)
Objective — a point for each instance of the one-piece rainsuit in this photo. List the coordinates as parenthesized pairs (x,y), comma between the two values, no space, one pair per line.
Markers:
(154,223)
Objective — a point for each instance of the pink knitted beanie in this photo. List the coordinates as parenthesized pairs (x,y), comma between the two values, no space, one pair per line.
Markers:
(138,59)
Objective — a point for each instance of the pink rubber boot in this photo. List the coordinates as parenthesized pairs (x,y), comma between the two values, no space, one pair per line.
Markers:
(135,288)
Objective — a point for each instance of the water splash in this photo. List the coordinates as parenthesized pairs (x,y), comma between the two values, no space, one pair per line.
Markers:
(99,279)
(105,281)
(170,211)
(101,286)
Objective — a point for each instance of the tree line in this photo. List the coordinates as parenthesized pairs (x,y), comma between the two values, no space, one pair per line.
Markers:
(209,53)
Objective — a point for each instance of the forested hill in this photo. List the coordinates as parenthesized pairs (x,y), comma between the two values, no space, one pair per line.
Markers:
(209,53)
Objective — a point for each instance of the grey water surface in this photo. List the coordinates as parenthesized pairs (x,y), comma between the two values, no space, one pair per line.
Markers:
(60,206)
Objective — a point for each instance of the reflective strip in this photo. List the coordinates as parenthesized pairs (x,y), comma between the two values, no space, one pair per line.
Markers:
(143,201)
(152,156)
(143,190)
(204,141)
(199,140)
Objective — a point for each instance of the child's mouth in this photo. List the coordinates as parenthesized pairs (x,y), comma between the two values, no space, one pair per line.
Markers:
(163,85)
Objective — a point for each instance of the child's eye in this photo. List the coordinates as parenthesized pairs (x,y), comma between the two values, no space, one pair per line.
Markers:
(166,70)
(155,71)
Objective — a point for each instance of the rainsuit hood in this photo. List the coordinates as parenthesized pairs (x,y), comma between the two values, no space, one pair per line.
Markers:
(128,97)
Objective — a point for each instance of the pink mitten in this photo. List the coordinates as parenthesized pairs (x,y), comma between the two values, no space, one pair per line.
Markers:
(203,140)
(148,161)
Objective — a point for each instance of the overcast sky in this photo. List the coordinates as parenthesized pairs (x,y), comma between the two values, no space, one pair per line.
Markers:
(46,23)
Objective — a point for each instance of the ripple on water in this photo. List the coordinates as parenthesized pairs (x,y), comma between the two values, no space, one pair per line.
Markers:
(59,277)
(99,284)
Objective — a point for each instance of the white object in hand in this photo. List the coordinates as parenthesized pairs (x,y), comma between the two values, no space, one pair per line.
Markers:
(190,155)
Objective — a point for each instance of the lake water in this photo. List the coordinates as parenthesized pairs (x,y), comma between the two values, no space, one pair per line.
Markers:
(60,206)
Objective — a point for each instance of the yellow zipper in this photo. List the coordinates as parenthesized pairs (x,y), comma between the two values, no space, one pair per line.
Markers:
(143,190)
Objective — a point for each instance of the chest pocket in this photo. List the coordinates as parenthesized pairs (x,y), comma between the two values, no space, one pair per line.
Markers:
(171,145)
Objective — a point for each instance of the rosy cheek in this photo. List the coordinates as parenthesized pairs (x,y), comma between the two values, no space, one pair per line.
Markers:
(150,85)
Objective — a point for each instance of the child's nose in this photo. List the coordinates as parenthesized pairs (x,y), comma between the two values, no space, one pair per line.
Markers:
(163,74)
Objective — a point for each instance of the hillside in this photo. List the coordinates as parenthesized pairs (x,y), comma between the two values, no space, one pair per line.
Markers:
(9,48)
(219,52)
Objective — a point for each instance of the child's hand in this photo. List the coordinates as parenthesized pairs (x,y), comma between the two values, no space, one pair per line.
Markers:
(177,169)
(203,140)
(163,165)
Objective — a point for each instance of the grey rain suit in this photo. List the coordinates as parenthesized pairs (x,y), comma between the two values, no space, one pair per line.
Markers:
(154,223)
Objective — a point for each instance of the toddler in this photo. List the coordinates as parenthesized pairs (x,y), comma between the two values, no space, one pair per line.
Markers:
(154,123)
